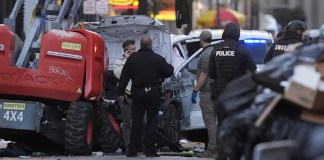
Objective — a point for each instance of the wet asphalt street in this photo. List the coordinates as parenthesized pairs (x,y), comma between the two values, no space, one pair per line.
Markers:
(105,157)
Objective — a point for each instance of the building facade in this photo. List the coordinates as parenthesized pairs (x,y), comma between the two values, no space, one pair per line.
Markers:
(312,9)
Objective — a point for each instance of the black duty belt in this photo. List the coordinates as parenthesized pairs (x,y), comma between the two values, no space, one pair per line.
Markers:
(153,86)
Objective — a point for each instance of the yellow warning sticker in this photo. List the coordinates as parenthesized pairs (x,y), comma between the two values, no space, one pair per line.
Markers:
(14,106)
(71,46)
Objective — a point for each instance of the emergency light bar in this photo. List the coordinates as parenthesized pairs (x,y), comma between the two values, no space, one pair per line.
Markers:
(254,41)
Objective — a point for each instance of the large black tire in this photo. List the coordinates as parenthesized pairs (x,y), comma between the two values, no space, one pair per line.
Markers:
(79,129)
(108,138)
(172,124)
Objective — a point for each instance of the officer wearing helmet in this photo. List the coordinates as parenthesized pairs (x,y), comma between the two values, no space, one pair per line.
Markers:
(293,33)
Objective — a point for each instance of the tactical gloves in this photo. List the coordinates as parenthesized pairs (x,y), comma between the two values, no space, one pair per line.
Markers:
(194,96)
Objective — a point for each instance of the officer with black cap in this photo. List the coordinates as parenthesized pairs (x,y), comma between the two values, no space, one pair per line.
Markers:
(293,33)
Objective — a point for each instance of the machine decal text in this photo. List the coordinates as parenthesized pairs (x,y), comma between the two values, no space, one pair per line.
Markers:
(14,106)
(20,75)
(61,72)
(71,46)
(14,116)
(65,55)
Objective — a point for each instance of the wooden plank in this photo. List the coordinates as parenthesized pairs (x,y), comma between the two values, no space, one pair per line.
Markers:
(267,110)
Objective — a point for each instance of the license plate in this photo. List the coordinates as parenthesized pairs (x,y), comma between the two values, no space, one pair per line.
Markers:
(19,115)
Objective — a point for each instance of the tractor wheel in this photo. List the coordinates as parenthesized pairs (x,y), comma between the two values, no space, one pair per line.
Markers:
(109,138)
(79,129)
(171,131)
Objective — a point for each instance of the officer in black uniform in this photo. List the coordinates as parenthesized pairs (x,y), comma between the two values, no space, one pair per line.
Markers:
(145,68)
(229,59)
(294,32)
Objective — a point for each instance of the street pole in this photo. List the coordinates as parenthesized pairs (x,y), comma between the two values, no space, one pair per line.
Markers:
(142,8)
(219,26)
(255,14)
(155,8)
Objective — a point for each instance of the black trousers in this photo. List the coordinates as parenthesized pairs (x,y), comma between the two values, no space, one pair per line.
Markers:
(148,101)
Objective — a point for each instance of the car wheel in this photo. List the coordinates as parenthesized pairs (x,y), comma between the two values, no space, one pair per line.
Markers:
(171,129)
(109,137)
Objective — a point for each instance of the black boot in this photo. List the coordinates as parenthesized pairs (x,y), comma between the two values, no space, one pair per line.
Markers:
(131,151)
(149,152)
(126,149)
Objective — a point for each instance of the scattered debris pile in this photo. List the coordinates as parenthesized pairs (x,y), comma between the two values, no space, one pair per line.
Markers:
(279,111)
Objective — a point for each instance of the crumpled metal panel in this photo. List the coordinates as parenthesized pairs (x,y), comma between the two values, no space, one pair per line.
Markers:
(115,30)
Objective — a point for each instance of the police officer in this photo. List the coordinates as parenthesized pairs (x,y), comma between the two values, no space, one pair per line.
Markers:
(129,47)
(229,60)
(145,68)
(293,33)
(203,87)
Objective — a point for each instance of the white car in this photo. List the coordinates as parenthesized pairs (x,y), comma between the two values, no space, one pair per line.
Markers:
(186,50)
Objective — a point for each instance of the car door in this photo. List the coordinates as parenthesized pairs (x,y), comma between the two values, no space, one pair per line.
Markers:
(186,75)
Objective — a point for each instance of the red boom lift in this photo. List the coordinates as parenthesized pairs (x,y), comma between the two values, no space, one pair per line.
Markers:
(51,85)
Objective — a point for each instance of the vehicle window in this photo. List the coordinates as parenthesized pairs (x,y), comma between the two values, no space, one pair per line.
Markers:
(176,48)
(216,41)
(177,57)
(192,47)
(191,66)
(258,47)
(184,50)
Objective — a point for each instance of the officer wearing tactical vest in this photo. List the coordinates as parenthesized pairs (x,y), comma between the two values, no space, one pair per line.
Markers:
(293,33)
(229,60)
(203,87)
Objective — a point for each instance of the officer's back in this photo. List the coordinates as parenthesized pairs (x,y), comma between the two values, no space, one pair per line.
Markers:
(230,59)
(145,68)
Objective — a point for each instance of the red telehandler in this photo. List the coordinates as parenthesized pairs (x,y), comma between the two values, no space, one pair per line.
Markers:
(51,85)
